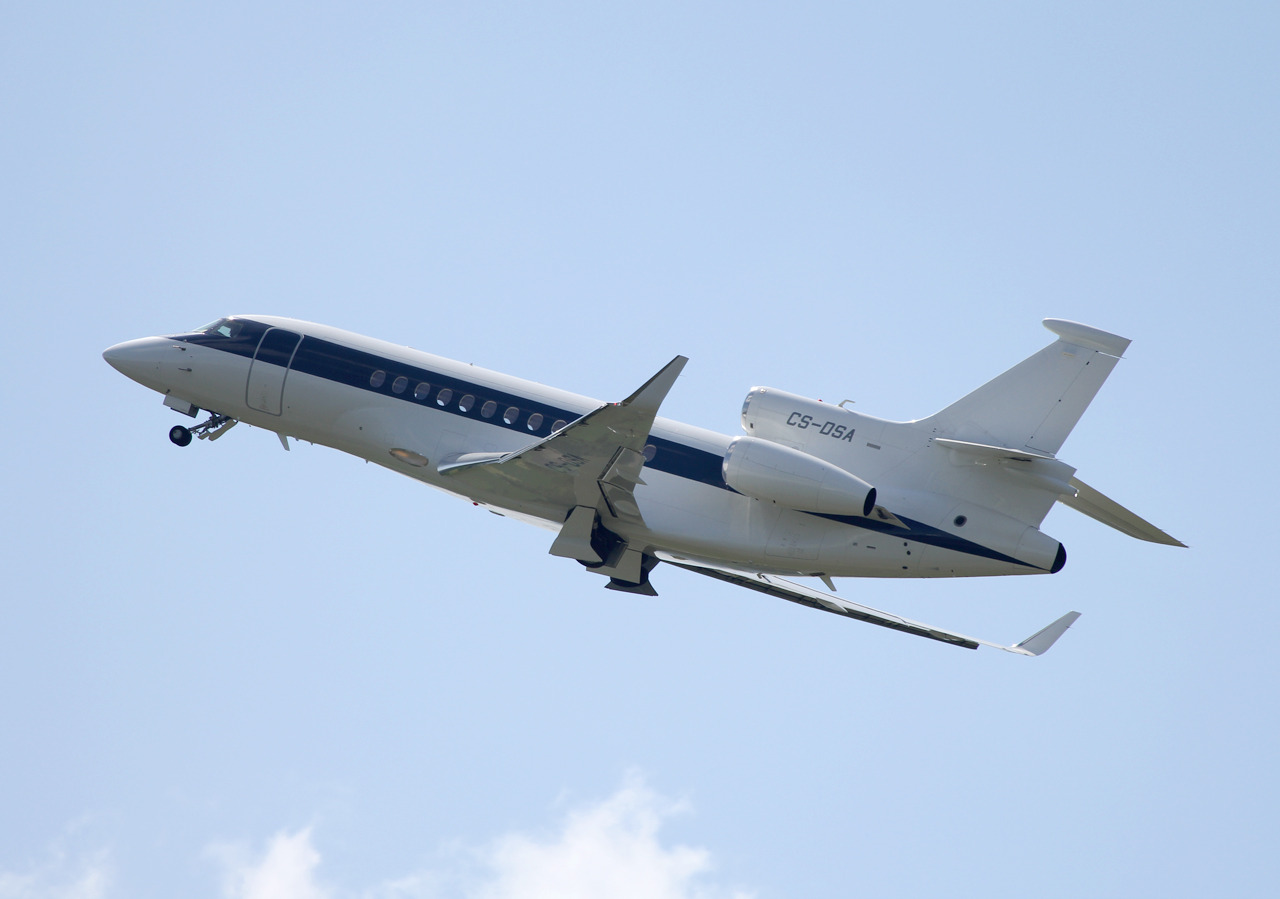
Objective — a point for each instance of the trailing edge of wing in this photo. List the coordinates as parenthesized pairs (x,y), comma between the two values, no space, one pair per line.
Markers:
(1037,644)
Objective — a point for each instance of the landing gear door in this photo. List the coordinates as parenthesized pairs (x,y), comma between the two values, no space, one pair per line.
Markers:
(267,372)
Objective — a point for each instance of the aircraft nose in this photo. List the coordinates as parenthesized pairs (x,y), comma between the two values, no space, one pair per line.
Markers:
(136,359)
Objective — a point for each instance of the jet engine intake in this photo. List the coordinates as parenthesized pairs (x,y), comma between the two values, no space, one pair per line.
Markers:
(794,479)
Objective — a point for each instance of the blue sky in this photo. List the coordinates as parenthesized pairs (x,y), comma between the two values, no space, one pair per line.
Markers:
(228,671)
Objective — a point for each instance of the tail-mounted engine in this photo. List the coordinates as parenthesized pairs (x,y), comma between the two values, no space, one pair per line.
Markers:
(794,479)
(783,458)
(799,421)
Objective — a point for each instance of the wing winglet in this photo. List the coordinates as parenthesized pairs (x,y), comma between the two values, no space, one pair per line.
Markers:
(1039,642)
(651,394)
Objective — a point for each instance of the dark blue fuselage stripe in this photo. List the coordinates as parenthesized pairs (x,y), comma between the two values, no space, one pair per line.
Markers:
(346,365)
(928,535)
(354,368)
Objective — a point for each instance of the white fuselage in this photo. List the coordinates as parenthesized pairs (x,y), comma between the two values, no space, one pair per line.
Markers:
(411,411)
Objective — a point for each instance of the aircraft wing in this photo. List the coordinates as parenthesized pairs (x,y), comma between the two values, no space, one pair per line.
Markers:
(1035,645)
(594,462)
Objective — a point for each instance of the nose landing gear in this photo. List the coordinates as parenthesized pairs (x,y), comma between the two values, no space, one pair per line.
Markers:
(215,427)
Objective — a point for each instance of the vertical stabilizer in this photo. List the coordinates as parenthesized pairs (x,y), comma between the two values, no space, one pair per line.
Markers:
(1035,404)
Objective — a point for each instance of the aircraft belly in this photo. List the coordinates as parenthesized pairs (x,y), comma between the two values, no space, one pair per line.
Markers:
(687,516)
(796,536)
(859,552)
(714,524)
(763,537)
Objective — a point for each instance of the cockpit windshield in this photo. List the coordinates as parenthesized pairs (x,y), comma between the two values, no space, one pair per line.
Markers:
(226,327)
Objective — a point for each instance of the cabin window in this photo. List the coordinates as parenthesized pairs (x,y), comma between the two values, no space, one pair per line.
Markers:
(488,409)
(466,403)
(399,384)
(559,425)
(535,421)
(422,391)
(511,415)
(649,452)
(378,378)
(443,397)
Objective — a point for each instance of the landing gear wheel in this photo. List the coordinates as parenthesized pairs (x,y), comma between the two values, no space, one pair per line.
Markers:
(180,435)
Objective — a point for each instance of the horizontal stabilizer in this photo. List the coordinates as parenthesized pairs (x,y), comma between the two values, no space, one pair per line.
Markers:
(985,451)
(1083,335)
(769,584)
(1111,513)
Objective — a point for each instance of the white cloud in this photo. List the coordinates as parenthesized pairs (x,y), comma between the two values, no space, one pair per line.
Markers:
(285,871)
(607,849)
(610,848)
(62,877)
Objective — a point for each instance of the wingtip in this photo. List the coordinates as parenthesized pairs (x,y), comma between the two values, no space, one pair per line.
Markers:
(1039,642)
(654,391)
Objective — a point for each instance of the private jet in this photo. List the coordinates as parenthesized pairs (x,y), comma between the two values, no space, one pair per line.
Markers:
(809,489)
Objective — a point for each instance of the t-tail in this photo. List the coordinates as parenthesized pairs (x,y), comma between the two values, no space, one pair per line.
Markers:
(1016,423)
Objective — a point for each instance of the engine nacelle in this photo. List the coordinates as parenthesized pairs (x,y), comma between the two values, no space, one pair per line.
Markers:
(797,420)
(794,479)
